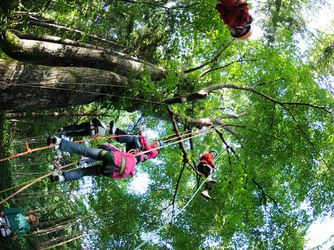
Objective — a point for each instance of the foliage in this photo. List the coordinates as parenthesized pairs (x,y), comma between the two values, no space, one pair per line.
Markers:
(275,155)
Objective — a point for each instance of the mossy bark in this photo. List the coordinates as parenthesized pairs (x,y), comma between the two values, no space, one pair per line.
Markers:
(33,87)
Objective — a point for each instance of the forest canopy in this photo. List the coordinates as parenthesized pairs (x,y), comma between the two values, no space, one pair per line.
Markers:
(172,67)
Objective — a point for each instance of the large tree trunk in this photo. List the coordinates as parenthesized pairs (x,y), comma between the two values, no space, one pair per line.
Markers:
(30,87)
(53,114)
(61,54)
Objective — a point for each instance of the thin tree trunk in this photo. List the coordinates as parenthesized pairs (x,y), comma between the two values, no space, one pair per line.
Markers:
(62,226)
(53,205)
(39,196)
(62,243)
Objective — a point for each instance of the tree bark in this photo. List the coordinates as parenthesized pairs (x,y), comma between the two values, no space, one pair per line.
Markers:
(52,114)
(31,87)
(58,54)
(61,240)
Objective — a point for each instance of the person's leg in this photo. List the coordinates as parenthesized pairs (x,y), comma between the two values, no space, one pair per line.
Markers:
(81,172)
(131,141)
(76,127)
(76,148)
(202,169)
(77,133)
(77,130)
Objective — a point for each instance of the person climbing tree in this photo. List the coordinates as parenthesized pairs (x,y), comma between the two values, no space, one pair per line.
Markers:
(135,146)
(114,163)
(206,167)
(235,15)
(90,128)
(15,223)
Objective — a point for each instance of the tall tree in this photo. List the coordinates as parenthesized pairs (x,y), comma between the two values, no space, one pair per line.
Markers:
(273,121)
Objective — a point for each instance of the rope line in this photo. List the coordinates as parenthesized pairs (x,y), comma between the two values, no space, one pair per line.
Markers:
(29,151)
(167,222)
(93,92)
(34,181)
(2,191)
(204,132)
(61,167)
(173,217)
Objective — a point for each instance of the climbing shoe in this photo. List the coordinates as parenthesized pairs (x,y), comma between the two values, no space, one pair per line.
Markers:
(205,194)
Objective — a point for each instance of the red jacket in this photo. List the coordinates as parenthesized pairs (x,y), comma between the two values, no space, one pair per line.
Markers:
(207,158)
(233,15)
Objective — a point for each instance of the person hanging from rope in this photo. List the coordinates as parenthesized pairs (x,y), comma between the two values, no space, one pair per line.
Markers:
(114,163)
(15,223)
(137,145)
(236,16)
(206,167)
(90,128)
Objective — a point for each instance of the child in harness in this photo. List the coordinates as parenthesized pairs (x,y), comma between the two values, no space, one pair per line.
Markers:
(206,167)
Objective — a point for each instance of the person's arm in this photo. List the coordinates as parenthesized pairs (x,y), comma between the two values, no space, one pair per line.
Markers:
(210,162)
(143,142)
(12,211)
(22,230)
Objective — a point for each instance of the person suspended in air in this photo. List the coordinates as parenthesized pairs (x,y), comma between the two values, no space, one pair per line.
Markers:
(113,162)
(15,222)
(137,145)
(206,167)
(90,128)
(236,16)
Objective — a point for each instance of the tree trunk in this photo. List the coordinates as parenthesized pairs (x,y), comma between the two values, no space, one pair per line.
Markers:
(59,241)
(58,227)
(57,54)
(52,114)
(32,87)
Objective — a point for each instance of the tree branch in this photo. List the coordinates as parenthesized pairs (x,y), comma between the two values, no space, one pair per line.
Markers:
(264,194)
(229,64)
(214,60)
(51,24)
(177,131)
(204,92)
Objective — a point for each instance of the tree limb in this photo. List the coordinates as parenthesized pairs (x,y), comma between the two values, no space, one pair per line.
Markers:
(177,131)
(51,24)
(214,60)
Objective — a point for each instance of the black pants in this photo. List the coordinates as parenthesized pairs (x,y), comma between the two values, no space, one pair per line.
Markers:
(204,169)
(83,129)
(130,141)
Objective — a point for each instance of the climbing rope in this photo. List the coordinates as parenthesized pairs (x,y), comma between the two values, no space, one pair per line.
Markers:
(61,167)
(173,217)
(92,92)
(36,180)
(242,61)
(178,141)
(29,151)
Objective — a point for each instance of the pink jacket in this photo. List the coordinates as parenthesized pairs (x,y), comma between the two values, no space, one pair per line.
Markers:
(130,162)
(152,154)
